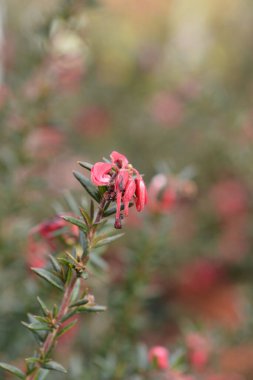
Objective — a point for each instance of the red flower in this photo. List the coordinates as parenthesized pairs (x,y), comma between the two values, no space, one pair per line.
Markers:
(38,250)
(159,356)
(99,173)
(124,184)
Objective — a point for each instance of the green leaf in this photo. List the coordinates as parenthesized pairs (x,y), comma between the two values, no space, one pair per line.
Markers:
(54,366)
(91,309)
(36,326)
(92,209)
(76,290)
(30,364)
(55,264)
(49,277)
(45,310)
(42,374)
(13,370)
(89,187)
(85,165)
(112,210)
(85,216)
(68,275)
(83,242)
(55,310)
(66,328)
(79,302)
(85,275)
(100,241)
(98,261)
(68,315)
(39,335)
(77,222)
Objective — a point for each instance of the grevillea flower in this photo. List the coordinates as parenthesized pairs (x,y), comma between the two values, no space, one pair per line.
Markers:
(124,184)
(159,356)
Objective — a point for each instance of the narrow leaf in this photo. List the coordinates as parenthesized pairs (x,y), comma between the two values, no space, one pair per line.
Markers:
(92,209)
(80,302)
(55,264)
(77,222)
(85,216)
(36,326)
(85,165)
(91,309)
(68,315)
(42,374)
(13,370)
(54,366)
(112,210)
(76,290)
(107,240)
(45,310)
(49,277)
(89,187)
(83,242)
(66,328)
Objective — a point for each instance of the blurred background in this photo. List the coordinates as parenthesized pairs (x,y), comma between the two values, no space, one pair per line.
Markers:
(169,84)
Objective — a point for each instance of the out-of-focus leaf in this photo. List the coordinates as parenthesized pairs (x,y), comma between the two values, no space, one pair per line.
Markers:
(55,264)
(36,326)
(76,290)
(112,210)
(77,222)
(98,261)
(45,310)
(85,165)
(68,315)
(42,374)
(52,365)
(85,216)
(49,277)
(89,187)
(66,328)
(91,309)
(80,302)
(83,242)
(13,370)
(92,210)
(103,240)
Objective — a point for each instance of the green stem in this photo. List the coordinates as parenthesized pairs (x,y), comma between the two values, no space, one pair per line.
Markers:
(50,341)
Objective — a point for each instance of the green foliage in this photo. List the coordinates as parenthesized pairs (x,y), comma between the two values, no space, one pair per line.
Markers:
(49,277)
(13,370)
(88,186)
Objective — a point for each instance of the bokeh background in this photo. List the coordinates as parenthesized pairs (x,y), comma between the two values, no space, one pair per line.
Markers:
(169,83)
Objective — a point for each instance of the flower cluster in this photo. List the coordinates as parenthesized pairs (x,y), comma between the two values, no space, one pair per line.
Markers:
(124,184)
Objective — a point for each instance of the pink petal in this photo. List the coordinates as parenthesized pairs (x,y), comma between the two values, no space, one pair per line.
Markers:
(129,193)
(99,173)
(141,194)
(119,159)
(121,180)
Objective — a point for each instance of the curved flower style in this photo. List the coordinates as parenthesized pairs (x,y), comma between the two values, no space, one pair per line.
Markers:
(124,184)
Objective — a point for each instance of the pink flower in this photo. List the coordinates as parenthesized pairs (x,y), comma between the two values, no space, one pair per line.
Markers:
(99,173)
(124,184)
(159,356)
(198,351)
(38,249)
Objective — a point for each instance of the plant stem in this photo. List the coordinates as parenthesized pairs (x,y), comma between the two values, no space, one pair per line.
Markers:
(64,308)
(50,340)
